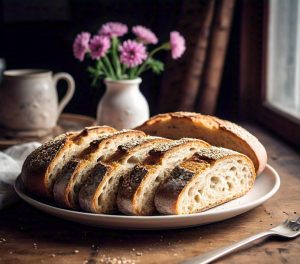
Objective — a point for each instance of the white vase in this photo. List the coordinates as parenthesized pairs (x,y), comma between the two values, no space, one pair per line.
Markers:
(123,105)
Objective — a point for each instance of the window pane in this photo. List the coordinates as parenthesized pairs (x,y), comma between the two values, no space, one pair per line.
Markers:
(283,80)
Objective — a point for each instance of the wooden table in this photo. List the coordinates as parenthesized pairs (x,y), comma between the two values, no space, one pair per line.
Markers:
(30,236)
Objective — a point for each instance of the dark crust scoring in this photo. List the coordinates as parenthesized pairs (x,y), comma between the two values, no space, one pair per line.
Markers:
(85,132)
(61,183)
(89,187)
(94,145)
(127,189)
(68,170)
(167,193)
(36,164)
(125,148)
(132,181)
(182,176)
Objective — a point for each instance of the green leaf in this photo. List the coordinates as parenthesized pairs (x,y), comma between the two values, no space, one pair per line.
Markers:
(155,65)
(91,70)
(95,74)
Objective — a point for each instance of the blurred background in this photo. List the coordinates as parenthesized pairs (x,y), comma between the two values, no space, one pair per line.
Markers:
(242,60)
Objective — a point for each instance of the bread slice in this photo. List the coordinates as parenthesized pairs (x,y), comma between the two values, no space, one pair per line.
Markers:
(136,193)
(42,166)
(215,131)
(74,173)
(211,177)
(99,193)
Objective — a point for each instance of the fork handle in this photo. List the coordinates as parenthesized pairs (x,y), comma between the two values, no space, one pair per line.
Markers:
(215,254)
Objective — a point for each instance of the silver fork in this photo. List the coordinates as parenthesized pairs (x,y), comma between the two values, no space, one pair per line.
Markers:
(288,229)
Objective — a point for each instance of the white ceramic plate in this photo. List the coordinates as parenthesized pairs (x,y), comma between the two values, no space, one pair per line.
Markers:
(266,185)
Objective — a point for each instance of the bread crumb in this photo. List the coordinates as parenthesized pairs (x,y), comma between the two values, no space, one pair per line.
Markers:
(76,251)
(139,253)
(53,255)
(123,260)
(10,252)
(175,254)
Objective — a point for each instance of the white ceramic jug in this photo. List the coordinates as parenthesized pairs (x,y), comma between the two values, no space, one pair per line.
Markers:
(28,99)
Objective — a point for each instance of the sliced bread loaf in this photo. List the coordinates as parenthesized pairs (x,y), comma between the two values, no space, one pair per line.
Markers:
(99,193)
(211,177)
(215,131)
(42,166)
(75,172)
(136,193)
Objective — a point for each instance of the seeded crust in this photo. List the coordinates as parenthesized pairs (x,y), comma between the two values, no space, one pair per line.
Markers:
(141,178)
(39,165)
(184,176)
(68,185)
(100,178)
(36,165)
(215,131)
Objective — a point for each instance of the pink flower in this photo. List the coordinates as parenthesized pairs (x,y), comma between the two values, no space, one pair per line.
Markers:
(132,53)
(81,45)
(99,45)
(113,29)
(145,35)
(177,43)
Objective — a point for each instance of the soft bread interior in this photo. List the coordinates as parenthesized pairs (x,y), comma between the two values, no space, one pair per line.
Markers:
(78,142)
(144,198)
(226,180)
(61,160)
(106,193)
(106,149)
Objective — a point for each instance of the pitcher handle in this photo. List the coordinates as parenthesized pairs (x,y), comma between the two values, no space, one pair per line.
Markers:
(70,89)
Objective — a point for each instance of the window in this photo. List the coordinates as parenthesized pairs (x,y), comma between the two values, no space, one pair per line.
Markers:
(283,71)
(269,65)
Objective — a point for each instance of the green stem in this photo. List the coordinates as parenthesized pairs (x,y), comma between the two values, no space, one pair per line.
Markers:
(101,66)
(115,58)
(132,73)
(124,70)
(110,68)
(144,69)
(143,66)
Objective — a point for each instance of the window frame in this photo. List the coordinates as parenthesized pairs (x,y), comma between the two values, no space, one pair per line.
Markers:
(253,74)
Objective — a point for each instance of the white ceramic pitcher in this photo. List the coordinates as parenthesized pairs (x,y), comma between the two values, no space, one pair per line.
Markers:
(29,101)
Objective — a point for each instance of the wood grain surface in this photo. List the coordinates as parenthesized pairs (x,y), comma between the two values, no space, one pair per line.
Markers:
(30,236)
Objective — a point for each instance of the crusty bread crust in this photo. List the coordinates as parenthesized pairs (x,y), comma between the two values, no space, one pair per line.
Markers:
(35,168)
(65,185)
(171,191)
(215,131)
(138,180)
(39,165)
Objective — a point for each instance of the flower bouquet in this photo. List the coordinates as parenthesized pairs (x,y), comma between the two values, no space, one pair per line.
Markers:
(120,63)
(125,60)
